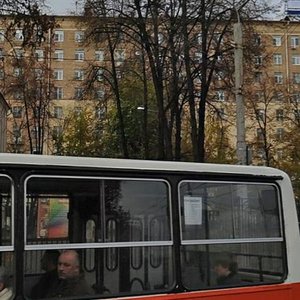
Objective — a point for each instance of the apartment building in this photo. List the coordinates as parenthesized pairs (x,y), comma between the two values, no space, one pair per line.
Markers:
(273,95)
(63,62)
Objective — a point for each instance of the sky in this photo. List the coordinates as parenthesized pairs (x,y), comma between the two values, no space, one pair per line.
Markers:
(67,7)
(61,7)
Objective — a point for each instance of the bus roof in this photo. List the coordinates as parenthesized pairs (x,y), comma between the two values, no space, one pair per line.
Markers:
(134,164)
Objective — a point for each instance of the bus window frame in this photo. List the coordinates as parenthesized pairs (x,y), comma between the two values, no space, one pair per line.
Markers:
(99,245)
(11,247)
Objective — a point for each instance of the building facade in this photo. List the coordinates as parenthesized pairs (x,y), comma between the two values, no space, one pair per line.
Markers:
(64,74)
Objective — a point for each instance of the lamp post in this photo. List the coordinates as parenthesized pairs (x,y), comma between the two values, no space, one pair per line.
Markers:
(241,148)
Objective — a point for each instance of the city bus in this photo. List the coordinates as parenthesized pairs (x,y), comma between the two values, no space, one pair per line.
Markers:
(150,229)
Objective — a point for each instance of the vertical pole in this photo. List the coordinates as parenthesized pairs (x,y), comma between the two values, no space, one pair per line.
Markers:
(240,107)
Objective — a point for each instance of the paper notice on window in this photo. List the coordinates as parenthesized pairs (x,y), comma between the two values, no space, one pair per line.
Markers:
(193,210)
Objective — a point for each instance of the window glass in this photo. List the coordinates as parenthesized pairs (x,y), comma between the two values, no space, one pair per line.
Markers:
(135,202)
(6,238)
(7,263)
(250,263)
(90,211)
(118,271)
(228,211)
(6,211)
(57,210)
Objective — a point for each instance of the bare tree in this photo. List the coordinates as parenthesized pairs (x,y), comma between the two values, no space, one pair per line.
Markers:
(184,42)
(26,77)
(29,83)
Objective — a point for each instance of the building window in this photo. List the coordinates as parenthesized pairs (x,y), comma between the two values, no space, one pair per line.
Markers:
(39,54)
(296,60)
(17,134)
(38,74)
(19,53)
(99,74)
(99,94)
(278,77)
(260,134)
(58,36)
(296,78)
(19,35)
(278,96)
(17,111)
(119,55)
(297,115)
(277,59)
(100,112)
(79,36)
(57,131)
(220,95)
(219,75)
(58,93)
(79,55)
(258,96)
(279,154)
(198,57)
(77,111)
(119,74)
(18,94)
(2,35)
(258,60)
(279,115)
(58,112)
(258,77)
(79,75)
(294,42)
(58,74)
(99,55)
(279,134)
(59,54)
(199,38)
(18,72)
(296,98)
(277,40)
(260,115)
(257,39)
(78,93)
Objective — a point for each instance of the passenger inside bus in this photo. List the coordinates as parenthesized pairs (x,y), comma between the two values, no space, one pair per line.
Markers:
(70,280)
(226,271)
(49,265)
(5,292)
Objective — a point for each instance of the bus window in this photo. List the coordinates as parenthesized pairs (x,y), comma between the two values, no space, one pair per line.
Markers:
(120,227)
(6,238)
(235,220)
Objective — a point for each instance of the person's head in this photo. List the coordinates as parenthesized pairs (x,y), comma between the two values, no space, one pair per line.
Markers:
(68,264)
(225,265)
(222,267)
(49,260)
(3,278)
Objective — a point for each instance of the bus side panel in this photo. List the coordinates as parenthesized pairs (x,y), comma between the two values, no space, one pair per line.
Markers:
(274,292)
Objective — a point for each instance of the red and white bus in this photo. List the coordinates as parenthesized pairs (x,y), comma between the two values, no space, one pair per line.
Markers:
(149,229)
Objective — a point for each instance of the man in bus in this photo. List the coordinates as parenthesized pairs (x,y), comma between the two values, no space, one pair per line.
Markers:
(226,270)
(70,281)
